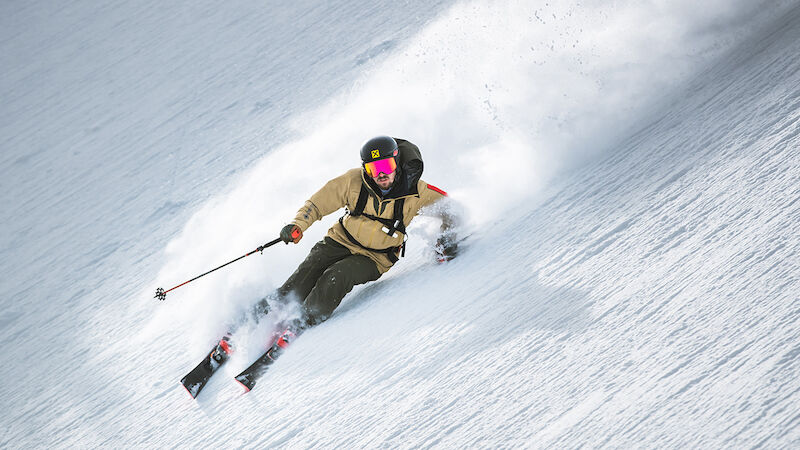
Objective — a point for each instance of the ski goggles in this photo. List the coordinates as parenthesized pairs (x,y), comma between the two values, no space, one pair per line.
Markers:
(386,166)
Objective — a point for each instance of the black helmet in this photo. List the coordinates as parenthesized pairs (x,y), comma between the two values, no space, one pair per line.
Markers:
(379,147)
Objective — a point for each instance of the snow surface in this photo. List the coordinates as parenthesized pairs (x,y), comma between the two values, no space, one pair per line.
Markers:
(631,179)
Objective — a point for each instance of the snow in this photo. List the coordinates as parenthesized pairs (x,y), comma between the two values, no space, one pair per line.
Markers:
(629,172)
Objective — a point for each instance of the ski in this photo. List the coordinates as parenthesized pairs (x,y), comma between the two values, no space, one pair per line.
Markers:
(195,380)
(250,375)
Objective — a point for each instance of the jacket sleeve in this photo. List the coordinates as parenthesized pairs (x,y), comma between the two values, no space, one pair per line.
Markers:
(436,202)
(330,198)
(430,194)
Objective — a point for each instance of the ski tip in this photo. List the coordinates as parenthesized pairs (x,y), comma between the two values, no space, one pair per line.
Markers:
(188,391)
(246,389)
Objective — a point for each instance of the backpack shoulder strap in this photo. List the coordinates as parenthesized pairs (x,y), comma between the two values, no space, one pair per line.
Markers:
(361,203)
(397,220)
(398,212)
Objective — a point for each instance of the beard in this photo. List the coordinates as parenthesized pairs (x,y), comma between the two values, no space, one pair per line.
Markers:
(382,179)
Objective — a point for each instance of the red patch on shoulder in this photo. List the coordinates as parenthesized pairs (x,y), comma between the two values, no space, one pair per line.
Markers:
(435,189)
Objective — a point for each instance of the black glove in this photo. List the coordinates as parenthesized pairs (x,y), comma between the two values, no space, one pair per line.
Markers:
(446,248)
(291,233)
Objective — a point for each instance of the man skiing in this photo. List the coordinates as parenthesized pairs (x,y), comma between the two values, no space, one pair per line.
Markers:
(382,197)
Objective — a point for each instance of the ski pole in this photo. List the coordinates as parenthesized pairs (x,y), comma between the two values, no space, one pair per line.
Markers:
(161,294)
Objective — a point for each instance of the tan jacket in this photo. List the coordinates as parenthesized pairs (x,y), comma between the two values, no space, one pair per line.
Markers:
(343,191)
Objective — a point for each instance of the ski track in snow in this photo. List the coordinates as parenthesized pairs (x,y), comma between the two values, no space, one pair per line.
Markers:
(646,299)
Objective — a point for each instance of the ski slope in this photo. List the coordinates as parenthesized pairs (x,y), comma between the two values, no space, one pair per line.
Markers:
(630,180)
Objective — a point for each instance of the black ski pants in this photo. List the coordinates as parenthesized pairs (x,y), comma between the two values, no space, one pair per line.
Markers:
(328,273)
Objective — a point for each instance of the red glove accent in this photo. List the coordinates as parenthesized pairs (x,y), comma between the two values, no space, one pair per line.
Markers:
(291,233)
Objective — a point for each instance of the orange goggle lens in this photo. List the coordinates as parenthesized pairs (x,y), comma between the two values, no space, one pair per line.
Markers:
(386,166)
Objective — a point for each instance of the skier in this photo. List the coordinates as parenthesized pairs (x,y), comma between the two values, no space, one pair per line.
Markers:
(382,197)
